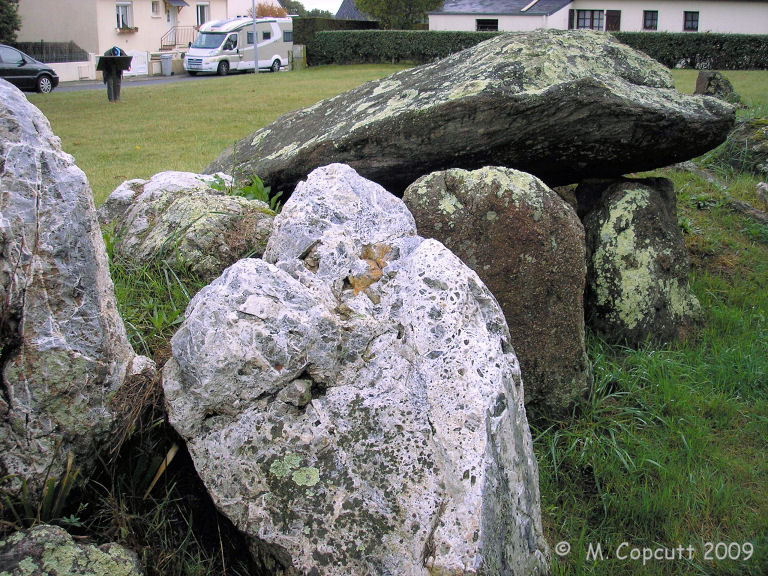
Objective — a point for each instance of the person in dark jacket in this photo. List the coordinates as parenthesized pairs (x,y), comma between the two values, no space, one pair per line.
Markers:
(113,75)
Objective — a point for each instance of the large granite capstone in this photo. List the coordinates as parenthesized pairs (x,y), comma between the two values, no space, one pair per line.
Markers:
(562,105)
(63,345)
(353,403)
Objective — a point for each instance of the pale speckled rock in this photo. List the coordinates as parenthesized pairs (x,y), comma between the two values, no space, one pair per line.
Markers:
(527,245)
(51,551)
(563,105)
(413,454)
(180,217)
(64,347)
(637,264)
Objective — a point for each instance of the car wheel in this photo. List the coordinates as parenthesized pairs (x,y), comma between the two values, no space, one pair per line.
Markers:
(44,84)
(192,72)
(275,66)
(223,68)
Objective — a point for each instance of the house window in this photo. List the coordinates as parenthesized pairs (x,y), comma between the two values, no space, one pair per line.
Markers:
(203,13)
(650,20)
(691,21)
(287,35)
(487,25)
(589,19)
(156,8)
(124,14)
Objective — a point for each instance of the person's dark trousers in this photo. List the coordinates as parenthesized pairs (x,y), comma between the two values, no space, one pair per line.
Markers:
(113,81)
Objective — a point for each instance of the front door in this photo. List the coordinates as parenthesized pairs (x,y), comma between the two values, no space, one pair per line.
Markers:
(172,17)
(612,20)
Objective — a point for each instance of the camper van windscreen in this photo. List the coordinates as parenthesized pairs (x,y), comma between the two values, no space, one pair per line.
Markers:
(209,40)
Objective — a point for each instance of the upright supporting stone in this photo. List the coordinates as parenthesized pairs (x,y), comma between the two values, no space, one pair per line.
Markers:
(527,245)
(637,265)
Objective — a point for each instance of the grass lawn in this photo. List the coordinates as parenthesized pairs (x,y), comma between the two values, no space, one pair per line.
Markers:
(669,453)
(182,126)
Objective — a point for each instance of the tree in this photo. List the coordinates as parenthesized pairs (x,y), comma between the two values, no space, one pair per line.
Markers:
(296,7)
(268,10)
(9,21)
(398,14)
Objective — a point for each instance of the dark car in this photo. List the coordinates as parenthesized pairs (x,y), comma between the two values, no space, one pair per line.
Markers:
(25,72)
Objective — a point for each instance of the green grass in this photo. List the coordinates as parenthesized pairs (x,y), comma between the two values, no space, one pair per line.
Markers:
(669,451)
(182,126)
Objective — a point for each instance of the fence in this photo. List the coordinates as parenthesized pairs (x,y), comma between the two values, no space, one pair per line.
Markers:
(52,52)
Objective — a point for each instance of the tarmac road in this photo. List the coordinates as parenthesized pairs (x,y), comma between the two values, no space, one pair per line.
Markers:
(131,81)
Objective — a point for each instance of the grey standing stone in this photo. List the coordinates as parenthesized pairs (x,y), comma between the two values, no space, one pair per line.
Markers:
(49,551)
(188,220)
(412,455)
(637,264)
(63,346)
(527,245)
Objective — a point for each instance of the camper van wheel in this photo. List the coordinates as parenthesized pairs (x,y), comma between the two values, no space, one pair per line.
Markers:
(223,68)
(275,66)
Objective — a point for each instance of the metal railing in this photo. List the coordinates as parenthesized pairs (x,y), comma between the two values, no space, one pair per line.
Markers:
(52,52)
(178,36)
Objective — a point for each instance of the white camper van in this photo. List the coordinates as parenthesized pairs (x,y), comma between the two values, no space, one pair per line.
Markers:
(225,45)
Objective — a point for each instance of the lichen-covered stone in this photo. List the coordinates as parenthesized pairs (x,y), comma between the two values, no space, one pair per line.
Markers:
(49,551)
(188,220)
(413,454)
(527,245)
(713,83)
(637,265)
(63,346)
(563,105)
(746,149)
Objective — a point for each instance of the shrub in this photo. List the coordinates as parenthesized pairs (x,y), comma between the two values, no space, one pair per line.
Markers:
(380,46)
(304,29)
(674,50)
(704,51)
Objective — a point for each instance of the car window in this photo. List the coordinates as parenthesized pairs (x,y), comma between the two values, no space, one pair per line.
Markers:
(10,56)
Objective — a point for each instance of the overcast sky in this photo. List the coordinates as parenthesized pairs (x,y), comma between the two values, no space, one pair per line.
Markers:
(331,5)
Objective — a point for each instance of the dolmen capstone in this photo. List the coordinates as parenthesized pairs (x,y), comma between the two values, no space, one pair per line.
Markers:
(187,220)
(352,401)
(527,245)
(561,105)
(63,346)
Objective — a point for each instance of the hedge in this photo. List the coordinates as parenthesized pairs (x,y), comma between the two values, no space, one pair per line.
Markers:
(674,50)
(304,29)
(702,51)
(364,46)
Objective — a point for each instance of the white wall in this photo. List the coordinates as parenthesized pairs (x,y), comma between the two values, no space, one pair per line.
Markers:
(466,22)
(151,27)
(59,21)
(714,16)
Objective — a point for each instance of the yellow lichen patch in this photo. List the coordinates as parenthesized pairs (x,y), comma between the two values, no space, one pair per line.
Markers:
(376,256)
(618,244)
(449,203)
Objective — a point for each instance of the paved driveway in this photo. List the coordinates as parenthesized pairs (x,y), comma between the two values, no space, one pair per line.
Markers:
(134,81)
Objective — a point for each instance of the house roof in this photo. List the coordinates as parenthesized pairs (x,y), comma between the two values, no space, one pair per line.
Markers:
(348,11)
(501,7)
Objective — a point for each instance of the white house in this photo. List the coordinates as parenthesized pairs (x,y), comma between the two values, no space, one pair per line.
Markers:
(728,16)
(143,28)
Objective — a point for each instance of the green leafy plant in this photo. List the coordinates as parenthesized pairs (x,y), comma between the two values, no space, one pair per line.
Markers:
(26,510)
